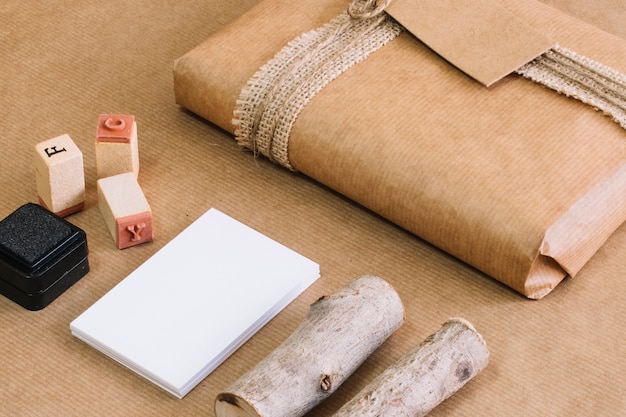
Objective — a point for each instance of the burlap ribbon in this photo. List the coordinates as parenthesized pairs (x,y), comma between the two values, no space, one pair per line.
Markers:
(270,103)
(581,78)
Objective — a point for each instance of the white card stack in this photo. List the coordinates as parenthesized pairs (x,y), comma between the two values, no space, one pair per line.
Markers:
(179,315)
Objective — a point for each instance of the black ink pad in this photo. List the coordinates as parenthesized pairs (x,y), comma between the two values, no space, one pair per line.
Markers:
(41,255)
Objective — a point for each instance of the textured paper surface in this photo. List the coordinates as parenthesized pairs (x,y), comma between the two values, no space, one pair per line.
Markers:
(480,37)
(480,173)
(552,358)
(184,311)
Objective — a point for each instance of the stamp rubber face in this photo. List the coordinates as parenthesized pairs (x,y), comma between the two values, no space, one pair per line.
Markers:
(116,128)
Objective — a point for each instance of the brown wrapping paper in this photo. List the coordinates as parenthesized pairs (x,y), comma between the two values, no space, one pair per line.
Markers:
(516,180)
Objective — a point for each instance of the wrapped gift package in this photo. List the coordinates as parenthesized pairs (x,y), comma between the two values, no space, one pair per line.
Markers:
(513,178)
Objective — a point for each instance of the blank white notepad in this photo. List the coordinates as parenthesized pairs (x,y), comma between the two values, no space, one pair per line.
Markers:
(186,309)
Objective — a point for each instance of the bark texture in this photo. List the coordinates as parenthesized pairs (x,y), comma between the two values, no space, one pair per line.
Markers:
(339,332)
(424,377)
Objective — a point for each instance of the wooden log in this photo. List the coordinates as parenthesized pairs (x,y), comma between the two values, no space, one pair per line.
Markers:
(424,377)
(339,332)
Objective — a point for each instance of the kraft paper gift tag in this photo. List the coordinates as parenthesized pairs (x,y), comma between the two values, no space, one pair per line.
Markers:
(515,179)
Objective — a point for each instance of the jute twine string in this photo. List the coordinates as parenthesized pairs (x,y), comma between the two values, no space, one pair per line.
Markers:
(581,78)
(273,98)
(268,106)
(364,9)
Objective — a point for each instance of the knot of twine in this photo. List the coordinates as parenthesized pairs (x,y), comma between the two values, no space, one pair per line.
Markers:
(365,9)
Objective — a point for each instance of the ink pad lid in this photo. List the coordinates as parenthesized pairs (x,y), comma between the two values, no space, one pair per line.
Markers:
(39,251)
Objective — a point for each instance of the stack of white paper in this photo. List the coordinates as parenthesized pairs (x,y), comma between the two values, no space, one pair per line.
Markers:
(187,308)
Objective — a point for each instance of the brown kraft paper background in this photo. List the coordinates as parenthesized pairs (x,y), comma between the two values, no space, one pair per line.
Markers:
(64,62)
(501,177)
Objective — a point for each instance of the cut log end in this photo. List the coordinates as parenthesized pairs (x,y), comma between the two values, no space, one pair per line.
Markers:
(231,405)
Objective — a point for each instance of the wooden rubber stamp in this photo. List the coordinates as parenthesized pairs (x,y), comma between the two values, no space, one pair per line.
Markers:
(60,176)
(117,148)
(125,210)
